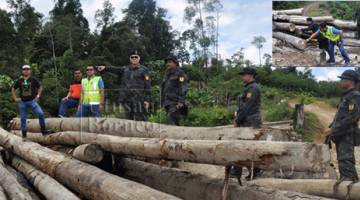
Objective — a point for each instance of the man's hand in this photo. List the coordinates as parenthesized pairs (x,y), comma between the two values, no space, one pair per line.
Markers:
(146,105)
(179,105)
(17,99)
(100,68)
(37,98)
(65,98)
(328,131)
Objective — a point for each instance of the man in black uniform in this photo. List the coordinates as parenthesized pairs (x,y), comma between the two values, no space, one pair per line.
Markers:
(248,113)
(344,129)
(173,91)
(135,87)
(313,28)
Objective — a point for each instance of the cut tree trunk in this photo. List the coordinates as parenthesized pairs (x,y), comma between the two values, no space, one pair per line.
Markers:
(317,187)
(193,187)
(23,182)
(129,128)
(288,27)
(295,41)
(47,186)
(299,116)
(12,187)
(352,42)
(298,11)
(344,24)
(88,153)
(350,34)
(286,156)
(81,177)
(2,194)
(301,20)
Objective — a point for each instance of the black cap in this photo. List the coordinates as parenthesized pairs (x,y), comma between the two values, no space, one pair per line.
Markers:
(172,58)
(350,75)
(248,70)
(134,52)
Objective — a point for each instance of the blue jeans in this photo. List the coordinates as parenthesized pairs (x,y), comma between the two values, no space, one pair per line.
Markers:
(66,104)
(342,51)
(87,110)
(24,106)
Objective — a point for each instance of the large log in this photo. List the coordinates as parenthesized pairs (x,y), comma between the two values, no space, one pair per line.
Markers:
(345,24)
(193,187)
(317,187)
(350,34)
(12,187)
(286,156)
(47,186)
(129,128)
(81,177)
(301,20)
(351,42)
(2,194)
(23,182)
(294,41)
(298,11)
(88,153)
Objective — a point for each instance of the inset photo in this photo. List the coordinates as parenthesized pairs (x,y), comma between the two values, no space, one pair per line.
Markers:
(316,33)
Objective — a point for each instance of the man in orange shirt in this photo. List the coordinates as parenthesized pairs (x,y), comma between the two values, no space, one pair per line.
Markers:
(72,98)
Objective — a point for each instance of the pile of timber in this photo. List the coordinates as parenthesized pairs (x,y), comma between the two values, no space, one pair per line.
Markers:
(288,25)
(68,163)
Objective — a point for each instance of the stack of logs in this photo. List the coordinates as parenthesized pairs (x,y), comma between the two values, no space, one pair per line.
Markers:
(68,164)
(288,25)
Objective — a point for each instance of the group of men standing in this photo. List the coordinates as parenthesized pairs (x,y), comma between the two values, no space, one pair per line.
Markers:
(88,94)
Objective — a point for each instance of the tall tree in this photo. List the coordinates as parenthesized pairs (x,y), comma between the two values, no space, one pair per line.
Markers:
(105,17)
(27,23)
(258,42)
(203,14)
(146,20)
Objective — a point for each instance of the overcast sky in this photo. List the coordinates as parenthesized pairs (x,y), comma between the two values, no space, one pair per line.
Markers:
(240,21)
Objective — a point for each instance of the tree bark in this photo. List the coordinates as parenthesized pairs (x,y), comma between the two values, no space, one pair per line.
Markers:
(318,187)
(2,194)
(23,182)
(351,42)
(12,187)
(47,186)
(301,20)
(298,11)
(294,41)
(287,27)
(286,156)
(344,24)
(129,128)
(349,34)
(193,187)
(81,177)
(88,153)
(299,116)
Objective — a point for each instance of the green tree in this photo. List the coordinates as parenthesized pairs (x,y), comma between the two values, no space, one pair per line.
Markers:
(105,17)
(258,42)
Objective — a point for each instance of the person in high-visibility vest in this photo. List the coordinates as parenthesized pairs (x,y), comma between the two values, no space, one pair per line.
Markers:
(92,95)
(335,37)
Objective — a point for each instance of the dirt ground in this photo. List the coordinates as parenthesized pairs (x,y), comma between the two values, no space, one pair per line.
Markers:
(284,56)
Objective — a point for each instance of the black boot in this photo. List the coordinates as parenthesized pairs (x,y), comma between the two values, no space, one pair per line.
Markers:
(24,133)
(46,131)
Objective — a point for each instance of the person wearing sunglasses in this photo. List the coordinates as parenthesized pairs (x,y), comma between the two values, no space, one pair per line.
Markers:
(29,90)
(92,95)
(135,87)
(72,98)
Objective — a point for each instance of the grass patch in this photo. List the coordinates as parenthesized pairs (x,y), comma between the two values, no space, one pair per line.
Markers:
(311,127)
